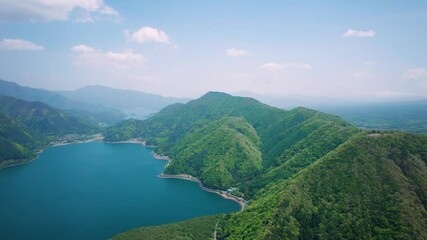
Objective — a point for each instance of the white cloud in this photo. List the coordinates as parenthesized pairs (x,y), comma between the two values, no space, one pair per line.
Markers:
(82,48)
(109,10)
(88,56)
(279,66)
(358,33)
(52,10)
(84,18)
(415,73)
(232,52)
(19,44)
(149,34)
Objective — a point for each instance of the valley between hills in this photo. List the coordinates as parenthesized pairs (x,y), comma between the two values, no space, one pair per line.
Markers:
(305,174)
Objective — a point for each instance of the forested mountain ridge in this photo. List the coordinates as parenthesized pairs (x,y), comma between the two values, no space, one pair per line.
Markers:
(16,141)
(309,175)
(41,117)
(373,186)
(25,127)
(200,138)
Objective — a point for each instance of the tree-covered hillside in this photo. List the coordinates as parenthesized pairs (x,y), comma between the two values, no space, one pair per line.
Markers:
(25,127)
(309,175)
(372,187)
(198,153)
(42,118)
(201,228)
(231,141)
(16,141)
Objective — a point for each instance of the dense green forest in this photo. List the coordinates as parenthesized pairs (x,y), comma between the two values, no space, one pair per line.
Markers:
(371,187)
(16,141)
(229,141)
(41,118)
(26,127)
(308,175)
(201,228)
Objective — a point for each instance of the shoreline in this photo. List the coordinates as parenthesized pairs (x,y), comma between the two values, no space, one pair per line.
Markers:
(223,194)
(162,158)
(21,162)
(188,177)
(242,202)
(56,144)
(51,144)
(133,141)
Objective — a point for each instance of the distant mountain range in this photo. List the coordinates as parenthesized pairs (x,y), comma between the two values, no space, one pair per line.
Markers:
(135,104)
(320,102)
(105,106)
(407,114)
(98,104)
(309,175)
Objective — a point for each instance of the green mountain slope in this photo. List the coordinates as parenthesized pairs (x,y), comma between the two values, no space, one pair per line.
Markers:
(372,187)
(16,141)
(309,175)
(206,140)
(125,130)
(222,153)
(26,127)
(201,228)
(41,117)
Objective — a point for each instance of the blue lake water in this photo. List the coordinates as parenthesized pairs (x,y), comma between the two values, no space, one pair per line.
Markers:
(95,191)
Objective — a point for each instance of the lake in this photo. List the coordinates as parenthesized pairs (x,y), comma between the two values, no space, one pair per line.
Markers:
(94,191)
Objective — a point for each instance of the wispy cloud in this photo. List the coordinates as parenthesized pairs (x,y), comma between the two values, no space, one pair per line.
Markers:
(359,33)
(88,56)
(415,73)
(233,52)
(19,44)
(280,66)
(149,34)
(53,10)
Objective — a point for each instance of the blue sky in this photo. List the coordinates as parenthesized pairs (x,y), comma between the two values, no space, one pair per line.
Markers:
(343,49)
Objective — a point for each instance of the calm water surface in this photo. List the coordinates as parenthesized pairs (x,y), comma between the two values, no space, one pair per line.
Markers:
(95,191)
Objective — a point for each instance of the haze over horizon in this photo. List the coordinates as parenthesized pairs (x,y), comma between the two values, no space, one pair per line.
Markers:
(355,51)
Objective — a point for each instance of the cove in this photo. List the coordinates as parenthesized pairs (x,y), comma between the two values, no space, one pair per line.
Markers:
(94,191)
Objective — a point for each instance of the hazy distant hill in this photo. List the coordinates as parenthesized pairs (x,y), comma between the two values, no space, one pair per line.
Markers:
(408,116)
(404,114)
(135,104)
(310,175)
(97,112)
